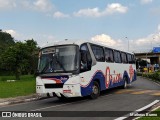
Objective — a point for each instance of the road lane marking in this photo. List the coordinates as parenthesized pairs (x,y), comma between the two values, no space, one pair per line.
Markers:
(151,111)
(141,92)
(124,91)
(156,94)
(139,110)
(157,83)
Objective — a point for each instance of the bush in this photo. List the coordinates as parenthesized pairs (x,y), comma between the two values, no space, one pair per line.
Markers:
(156,76)
(153,76)
(139,74)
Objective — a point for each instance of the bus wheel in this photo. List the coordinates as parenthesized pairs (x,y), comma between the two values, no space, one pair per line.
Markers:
(95,90)
(125,83)
(62,98)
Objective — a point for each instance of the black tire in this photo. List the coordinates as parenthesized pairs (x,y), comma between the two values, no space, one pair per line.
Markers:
(125,83)
(95,90)
(48,95)
(62,98)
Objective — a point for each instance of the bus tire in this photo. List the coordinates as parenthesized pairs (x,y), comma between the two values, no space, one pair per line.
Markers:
(62,98)
(95,90)
(125,83)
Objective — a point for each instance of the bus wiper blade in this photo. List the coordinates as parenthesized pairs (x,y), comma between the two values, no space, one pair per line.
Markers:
(60,64)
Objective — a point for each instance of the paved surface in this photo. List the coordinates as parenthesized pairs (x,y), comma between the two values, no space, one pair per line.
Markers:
(141,93)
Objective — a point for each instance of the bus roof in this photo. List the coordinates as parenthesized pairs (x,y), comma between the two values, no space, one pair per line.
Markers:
(79,42)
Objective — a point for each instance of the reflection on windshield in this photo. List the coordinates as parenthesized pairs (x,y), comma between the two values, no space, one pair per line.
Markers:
(58,59)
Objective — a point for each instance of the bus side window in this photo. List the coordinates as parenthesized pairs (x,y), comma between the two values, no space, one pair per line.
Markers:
(129,57)
(98,53)
(133,59)
(86,61)
(124,57)
(117,57)
(109,55)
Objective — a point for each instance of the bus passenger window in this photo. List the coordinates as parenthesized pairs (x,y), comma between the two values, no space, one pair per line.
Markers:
(133,59)
(124,57)
(129,57)
(117,57)
(109,55)
(86,60)
(98,53)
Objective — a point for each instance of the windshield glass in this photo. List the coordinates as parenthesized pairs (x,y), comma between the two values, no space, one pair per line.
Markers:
(58,59)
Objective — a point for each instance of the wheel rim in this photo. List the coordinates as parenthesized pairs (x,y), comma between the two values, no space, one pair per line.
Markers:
(95,90)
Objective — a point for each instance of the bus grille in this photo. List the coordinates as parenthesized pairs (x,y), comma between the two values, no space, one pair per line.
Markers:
(57,85)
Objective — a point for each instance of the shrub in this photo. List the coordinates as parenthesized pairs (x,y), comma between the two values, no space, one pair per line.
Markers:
(153,76)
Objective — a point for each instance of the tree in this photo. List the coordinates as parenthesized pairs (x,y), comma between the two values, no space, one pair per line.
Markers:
(15,58)
(33,56)
(21,58)
(6,40)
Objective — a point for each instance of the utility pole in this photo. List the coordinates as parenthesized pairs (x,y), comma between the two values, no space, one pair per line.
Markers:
(128,42)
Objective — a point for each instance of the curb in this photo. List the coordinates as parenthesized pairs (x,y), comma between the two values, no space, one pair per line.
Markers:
(22,100)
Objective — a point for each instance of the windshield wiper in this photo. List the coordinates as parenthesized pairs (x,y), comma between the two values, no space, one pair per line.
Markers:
(60,64)
(47,64)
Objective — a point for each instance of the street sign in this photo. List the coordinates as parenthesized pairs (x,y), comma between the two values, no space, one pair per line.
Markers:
(156,50)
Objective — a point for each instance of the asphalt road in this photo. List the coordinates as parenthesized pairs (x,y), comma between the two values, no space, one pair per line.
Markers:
(112,102)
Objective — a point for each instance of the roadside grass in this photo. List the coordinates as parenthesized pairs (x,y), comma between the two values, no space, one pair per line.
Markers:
(152,118)
(24,86)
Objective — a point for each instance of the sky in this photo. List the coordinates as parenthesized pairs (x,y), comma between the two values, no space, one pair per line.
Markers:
(132,25)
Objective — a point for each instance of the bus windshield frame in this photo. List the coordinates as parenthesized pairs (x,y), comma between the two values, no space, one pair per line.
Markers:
(59,59)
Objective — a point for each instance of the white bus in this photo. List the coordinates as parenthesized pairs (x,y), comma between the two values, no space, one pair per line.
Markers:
(78,68)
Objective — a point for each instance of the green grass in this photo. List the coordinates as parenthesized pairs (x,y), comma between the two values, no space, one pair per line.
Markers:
(152,118)
(22,87)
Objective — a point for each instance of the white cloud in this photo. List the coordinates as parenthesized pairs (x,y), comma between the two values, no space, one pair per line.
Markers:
(95,12)
(144,44)
(105,39)
(18,36)
(59,14)
(43,5)
(116,7)
(149,41)
(7,4)
(108,41)
(13,33)
(146,1)
(89,12)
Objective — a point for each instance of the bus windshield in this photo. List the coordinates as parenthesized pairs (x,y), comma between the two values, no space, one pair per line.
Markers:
(58,59)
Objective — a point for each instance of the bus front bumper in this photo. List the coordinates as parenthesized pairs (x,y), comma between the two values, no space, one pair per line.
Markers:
(68,90)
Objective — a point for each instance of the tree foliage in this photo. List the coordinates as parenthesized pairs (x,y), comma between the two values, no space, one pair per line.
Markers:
(6,40)
(20,57)
(15,58)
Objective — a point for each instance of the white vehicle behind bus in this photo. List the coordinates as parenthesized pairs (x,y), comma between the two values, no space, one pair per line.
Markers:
(78,68)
